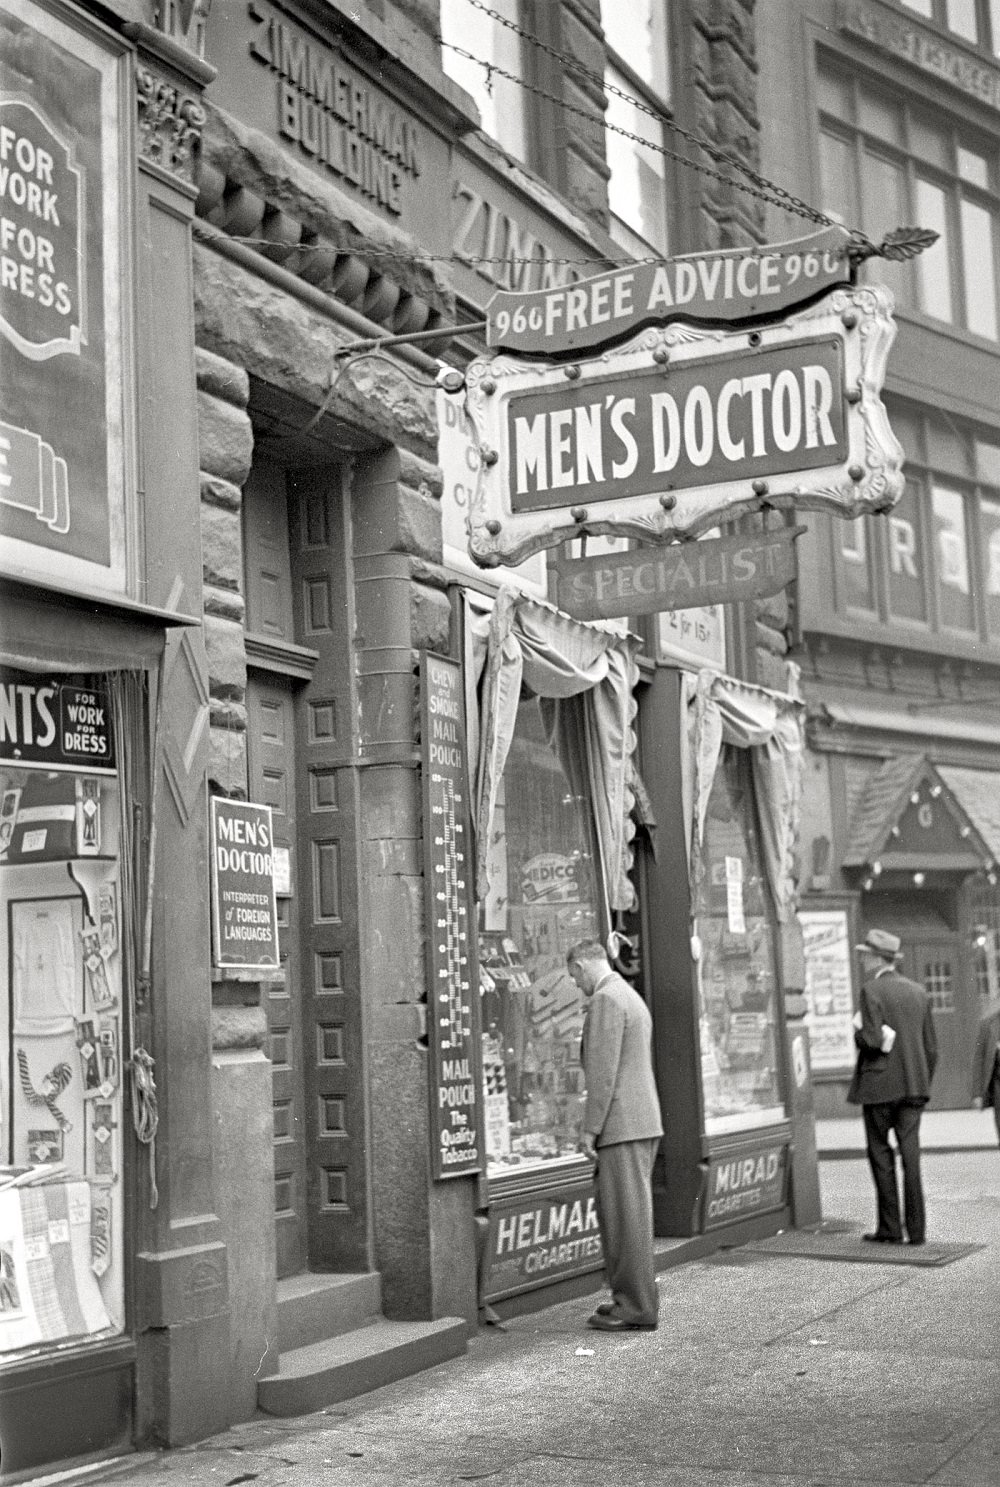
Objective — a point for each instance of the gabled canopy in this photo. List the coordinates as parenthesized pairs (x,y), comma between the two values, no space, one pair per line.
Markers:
(909,818)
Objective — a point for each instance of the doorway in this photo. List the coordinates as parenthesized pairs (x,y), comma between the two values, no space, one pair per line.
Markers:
(927,922)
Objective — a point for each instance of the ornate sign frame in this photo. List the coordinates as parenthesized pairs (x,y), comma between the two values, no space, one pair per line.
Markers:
(865,477)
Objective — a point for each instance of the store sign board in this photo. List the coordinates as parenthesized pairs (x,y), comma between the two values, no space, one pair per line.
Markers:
(683,427)
(63,204)
(743,1184)
(648,581)
(826,944)
(457,1139)
(533,1241)
(244,906)
(47,723)
(722,288)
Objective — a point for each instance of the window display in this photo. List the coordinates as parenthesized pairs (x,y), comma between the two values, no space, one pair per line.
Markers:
(737,969)
(542,900)
(61,1245)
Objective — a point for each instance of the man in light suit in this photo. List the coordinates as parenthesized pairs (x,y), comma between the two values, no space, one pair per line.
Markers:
(897,1053)
(621,1133)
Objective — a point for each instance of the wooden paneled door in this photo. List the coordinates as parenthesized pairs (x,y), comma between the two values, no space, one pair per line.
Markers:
(271,750)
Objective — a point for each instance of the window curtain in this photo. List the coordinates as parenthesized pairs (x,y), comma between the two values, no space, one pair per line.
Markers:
(722,710)
(525,643)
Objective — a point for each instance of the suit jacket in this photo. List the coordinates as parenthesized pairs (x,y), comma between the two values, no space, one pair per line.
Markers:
(906,1072)
(984,1057)
(616,1053)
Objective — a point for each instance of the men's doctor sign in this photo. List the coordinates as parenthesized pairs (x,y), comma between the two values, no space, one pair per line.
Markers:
(684,425)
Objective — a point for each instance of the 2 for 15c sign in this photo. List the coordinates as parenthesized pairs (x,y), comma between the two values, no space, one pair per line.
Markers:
(684,426)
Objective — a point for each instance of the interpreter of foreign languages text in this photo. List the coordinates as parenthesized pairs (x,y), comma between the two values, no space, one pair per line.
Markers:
(897,1054)
(986,1061)
(621,1134)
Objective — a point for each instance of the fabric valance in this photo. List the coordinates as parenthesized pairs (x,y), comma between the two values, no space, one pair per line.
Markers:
(524,643)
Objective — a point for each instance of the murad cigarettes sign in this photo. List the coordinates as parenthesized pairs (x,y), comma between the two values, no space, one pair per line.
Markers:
(244,907)
(683,426)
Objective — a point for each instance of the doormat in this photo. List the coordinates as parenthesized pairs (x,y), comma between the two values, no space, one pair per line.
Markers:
(836,1240)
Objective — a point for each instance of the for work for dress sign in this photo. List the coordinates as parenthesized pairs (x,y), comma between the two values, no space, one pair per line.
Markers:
(244,908)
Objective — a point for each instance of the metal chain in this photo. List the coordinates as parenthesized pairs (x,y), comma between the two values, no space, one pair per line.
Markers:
(778,196)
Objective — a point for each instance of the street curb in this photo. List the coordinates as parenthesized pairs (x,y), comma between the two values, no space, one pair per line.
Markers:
(858,1153)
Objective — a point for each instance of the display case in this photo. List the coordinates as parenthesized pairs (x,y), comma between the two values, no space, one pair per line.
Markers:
(61,1031)
(542,900)
(737,967)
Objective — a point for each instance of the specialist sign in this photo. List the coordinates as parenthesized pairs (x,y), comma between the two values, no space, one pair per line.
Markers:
(684,426)
(743,1184)
(731,285)
(452,994)
(684,576)
(52,723)
(64,429)
(533,1241)
(244,907)
(826,942)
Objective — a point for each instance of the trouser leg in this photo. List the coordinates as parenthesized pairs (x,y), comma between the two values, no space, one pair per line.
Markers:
(625,1213)
(907,1126)
(878,1122)
(995,1097)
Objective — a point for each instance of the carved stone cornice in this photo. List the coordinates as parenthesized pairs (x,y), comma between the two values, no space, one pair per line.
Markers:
(170,123)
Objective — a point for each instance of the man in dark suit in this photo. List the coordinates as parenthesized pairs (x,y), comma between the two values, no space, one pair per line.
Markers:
(621,1133)
(986,1062)
(897,1053)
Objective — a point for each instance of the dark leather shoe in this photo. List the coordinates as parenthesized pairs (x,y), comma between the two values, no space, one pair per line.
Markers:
(882,1238)
(601,1322)
(916,1241)
(606,1309)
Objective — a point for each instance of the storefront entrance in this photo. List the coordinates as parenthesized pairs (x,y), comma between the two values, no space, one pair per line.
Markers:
(299,713)
(933,957)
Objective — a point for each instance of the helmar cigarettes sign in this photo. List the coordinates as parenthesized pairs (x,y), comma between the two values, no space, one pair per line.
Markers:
(244,907)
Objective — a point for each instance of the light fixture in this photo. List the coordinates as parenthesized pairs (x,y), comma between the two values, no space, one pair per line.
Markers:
(915,798)
(877,869)
(919,879)
(866,885)
(935,791)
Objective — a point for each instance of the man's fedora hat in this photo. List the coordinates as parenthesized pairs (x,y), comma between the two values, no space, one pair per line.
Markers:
(881,942)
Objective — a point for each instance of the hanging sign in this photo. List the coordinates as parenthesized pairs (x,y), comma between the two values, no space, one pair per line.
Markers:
(64,460)
(735,284)
(244,907)
(683,427)
(648,581)
(452,995)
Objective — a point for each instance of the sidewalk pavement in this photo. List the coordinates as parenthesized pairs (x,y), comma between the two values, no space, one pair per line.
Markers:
(940,1130)
(768,1370)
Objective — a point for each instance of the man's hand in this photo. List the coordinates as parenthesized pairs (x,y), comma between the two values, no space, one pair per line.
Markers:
(588,1145)
(977,1103)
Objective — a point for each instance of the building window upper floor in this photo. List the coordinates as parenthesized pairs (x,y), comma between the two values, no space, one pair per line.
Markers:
(637,84)
(931,566)
(886,161)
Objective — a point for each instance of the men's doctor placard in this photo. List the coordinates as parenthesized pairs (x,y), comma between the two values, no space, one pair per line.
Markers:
(244,907)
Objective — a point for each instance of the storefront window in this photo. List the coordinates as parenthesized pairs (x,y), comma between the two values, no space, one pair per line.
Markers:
(61,1247)
(542,900)
(737,969)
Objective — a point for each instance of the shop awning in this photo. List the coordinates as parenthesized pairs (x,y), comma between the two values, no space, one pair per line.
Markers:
(910,818)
